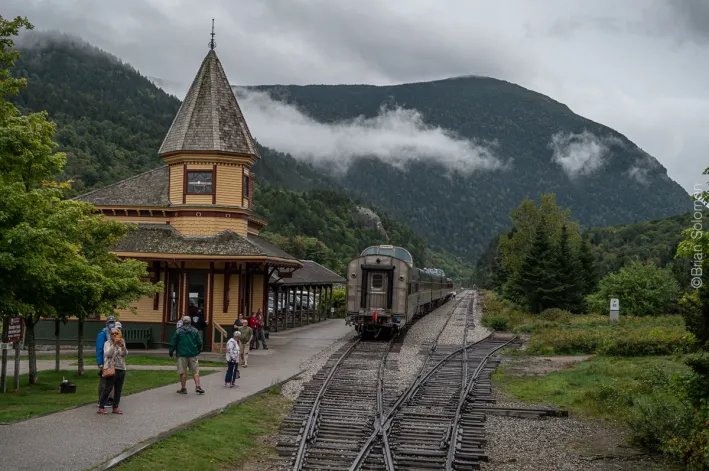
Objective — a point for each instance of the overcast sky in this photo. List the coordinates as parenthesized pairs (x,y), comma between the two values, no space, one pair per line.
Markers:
(638,66)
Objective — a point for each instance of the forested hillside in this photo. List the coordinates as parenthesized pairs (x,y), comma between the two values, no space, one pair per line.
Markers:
(111,121)
(461,213)
(619,246)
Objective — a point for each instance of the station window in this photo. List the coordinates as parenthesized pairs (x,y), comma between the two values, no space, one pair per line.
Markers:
(377,281)
(246,186)
(199,183)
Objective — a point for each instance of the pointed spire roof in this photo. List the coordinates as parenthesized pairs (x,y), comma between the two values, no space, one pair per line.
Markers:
(209,119)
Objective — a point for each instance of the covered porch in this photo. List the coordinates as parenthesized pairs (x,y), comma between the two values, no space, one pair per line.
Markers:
(301,297)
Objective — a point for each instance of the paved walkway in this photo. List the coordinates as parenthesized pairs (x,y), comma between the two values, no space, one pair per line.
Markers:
(78,439)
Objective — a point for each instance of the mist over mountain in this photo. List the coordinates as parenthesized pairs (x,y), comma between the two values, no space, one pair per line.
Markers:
(452,157)
(449,158)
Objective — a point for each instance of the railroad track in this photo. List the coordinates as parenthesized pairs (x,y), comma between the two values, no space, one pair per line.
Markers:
(349,417)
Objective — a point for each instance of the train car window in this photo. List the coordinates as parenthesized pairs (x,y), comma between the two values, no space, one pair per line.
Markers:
(377,281)
(372,251)
(385,251)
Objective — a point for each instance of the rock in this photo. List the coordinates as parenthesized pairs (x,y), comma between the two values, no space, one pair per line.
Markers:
(370,219)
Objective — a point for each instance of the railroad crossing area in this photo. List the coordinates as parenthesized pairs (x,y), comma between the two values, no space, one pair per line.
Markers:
(154,412)
(369,409)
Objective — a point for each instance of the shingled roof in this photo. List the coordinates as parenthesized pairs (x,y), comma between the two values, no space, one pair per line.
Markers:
(146,189)
(210,118)
(163,238)
(312,273)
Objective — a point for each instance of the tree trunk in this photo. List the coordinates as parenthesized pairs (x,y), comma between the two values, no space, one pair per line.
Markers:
(57,326)
(80,335)
(31,349)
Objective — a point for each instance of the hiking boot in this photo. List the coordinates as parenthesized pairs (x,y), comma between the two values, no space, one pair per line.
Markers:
(102,411)
(117,411)
(182,391)
(199,390)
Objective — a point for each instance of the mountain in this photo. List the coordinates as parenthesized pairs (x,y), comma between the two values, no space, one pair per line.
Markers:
(111,121)
(461,212)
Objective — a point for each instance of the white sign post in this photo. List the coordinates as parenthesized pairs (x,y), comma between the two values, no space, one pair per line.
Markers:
(615,308)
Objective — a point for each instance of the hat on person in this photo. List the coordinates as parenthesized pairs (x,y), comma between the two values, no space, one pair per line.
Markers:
(187,320)
(110,320)
(237,334)
(117,325)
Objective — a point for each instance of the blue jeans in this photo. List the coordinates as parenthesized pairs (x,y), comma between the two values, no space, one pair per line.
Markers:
(231,372)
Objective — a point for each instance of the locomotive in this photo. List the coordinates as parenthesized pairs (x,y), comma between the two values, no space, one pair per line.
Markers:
(385,291)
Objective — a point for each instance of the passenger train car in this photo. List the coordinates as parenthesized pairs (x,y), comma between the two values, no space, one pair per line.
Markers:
(385,291)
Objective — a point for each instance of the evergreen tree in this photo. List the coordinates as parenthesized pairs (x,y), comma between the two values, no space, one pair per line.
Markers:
(589,268)
(566,268)
(536,278)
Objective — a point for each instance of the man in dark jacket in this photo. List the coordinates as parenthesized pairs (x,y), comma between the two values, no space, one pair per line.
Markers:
(188,344)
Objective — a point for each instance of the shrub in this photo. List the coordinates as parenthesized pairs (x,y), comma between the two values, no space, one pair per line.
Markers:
(659,419)
(556,314)
(643,290)
(497,322)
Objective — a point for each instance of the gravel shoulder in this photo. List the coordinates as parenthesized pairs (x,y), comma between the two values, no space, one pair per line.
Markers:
(559,444)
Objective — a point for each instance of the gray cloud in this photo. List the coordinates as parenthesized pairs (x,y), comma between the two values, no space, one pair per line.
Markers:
(635,66)
(396,136)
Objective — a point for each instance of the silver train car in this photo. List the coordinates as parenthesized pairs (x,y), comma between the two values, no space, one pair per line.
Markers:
(385,291)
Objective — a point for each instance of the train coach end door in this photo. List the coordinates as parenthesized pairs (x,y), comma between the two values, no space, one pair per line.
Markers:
(377,284)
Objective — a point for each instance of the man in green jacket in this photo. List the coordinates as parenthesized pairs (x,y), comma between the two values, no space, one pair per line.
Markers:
(188,344)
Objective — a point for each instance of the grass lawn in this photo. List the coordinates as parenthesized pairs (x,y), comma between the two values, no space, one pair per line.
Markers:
(147,360)
(223,442)
(42,398)
(602,387)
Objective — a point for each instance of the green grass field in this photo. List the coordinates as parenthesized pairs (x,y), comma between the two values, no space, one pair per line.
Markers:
(37,399)
(602,387)
(223,442)
(143,360)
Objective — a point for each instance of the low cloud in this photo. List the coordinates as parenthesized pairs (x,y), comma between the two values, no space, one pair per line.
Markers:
(582,153)
(395,136)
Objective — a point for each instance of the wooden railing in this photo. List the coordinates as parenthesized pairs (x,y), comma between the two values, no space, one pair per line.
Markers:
(217,347)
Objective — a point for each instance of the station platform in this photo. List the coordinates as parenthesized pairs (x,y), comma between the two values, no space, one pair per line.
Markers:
(76,439)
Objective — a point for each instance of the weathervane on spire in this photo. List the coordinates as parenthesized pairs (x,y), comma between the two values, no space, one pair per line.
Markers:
(212,43)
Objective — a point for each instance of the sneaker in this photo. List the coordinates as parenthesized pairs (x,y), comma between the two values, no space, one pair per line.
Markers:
(102,411)
(199,390)
(117,411)
(265,347)
(182,391)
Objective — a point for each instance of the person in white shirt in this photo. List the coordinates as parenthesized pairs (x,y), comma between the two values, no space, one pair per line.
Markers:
(232,357)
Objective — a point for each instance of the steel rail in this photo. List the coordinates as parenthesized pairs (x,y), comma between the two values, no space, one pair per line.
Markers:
(379,429)
(463,399)
(405,396)
(310,424)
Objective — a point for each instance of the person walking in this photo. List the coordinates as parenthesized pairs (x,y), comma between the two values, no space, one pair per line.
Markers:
(253,323)
(247,335)
(187,342)
(259,333)
(232,358)
(114,370)
(101,339)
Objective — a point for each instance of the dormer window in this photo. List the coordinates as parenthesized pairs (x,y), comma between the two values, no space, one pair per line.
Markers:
(199,182)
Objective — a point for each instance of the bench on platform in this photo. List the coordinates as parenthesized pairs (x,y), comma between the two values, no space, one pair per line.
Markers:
(137,335)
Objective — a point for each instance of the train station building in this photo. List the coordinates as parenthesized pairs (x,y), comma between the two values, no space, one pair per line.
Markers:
(197,231)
